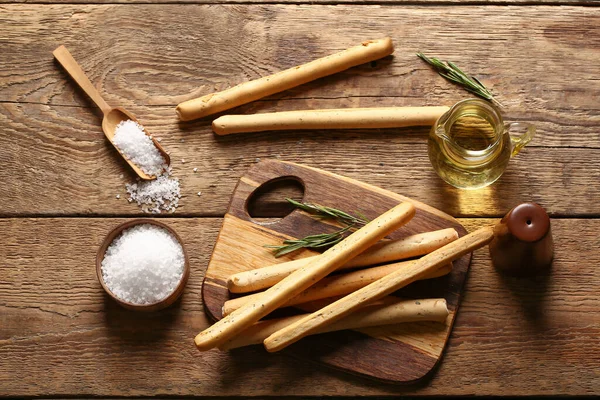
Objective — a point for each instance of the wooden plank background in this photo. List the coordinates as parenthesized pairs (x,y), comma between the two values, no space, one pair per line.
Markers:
(335,2)
(53,139)
(59,336)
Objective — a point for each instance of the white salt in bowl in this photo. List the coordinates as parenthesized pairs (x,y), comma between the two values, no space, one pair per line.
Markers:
(159,305)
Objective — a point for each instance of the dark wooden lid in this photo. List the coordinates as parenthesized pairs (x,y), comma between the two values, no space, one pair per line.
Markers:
(528,222)
(523,241)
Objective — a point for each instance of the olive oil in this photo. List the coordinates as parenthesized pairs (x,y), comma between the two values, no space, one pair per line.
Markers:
(469,147)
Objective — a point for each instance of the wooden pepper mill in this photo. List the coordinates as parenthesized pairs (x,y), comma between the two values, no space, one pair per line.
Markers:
(522,243)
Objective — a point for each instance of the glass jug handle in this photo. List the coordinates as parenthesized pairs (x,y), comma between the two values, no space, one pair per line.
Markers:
(520,133)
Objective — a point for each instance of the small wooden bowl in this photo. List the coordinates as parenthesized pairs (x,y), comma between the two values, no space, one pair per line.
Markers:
(159,305)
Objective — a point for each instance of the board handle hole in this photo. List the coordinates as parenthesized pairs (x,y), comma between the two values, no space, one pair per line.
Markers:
(268,202)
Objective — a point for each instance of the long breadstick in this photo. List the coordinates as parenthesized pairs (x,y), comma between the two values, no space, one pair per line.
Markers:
(376,290)
(305,277)
(383,314)
(411,246)
(348,118)
(336,285)
(369,50)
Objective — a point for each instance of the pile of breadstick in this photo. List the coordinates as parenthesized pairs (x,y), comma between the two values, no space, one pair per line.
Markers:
(352,118)
(349,300)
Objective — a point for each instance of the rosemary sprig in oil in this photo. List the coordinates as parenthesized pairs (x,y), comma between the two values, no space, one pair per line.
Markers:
(323,239)
(454,74)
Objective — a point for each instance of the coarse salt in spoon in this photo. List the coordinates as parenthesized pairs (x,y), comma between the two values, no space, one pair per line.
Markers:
(112,116)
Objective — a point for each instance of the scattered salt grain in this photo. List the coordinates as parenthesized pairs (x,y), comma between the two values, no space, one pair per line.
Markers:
(182,140)
(121,176)
(183,161)
(199,193)
(195,169)
(118,196)
(161,194)
(143,265)
(159,140)
(136,146)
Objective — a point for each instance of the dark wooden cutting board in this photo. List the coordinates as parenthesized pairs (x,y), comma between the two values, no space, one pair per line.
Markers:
(401,353)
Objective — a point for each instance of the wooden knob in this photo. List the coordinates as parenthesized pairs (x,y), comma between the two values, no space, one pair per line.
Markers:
(522,243)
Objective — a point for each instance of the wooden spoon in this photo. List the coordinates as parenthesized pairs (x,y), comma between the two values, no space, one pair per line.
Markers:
(112,116)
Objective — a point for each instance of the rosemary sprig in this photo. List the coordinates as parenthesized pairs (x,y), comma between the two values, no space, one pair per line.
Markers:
(454,74)
(322,239)
(310,241)
(329,213)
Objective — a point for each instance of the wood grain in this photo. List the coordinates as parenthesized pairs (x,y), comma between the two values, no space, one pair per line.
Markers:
(50,134)
(382,356)
(163,67)
(45,153)
(349,2)
(59,334)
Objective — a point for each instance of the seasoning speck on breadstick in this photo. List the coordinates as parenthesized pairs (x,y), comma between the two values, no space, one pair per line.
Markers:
(369,50)
(378,289)
(391,312)
(302,279)
(383,252)
(347,118)
(336,285)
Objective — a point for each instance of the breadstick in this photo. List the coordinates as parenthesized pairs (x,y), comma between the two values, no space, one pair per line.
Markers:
(411,246)
(336,285)
(305,277)
(398,311)
(347,118)
(367,51)
(378,289)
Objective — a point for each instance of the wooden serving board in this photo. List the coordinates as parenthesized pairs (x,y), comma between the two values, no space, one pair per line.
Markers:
(401,353)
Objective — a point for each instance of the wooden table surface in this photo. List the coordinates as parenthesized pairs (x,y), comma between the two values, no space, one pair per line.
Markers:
(61,336)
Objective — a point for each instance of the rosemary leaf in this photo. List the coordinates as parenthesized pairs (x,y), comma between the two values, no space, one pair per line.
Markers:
(454,74)
(283,250)
(329,213)
(311,241)
(320,240)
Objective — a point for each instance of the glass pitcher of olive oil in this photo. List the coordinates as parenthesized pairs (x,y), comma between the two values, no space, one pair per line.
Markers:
(470,145)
